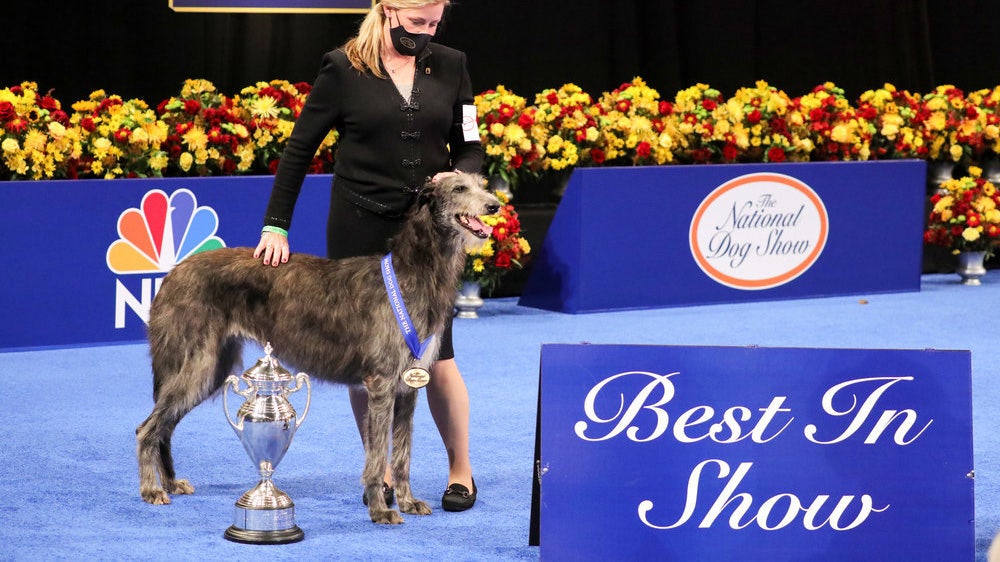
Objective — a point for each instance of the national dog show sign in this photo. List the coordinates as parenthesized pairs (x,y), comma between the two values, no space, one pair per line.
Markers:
(727,453)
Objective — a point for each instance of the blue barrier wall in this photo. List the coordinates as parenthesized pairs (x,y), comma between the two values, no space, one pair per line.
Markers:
(58,285)
(681,235)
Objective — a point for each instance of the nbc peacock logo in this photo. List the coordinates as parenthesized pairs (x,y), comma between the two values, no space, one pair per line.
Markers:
(153,238)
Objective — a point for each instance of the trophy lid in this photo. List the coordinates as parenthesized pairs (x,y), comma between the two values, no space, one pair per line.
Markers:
(268,368)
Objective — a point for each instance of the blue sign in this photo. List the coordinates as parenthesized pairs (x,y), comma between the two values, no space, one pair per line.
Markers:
(299,6)
(647,237)
(91,253)
(726,453)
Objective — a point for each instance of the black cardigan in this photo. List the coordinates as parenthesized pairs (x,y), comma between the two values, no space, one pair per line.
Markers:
(388,146)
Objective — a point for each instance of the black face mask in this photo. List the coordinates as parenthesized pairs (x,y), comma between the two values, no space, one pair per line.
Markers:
(406,43)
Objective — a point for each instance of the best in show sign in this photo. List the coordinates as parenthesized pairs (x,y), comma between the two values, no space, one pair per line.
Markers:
(716,453)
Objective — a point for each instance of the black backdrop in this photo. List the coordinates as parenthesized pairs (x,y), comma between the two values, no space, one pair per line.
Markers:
(140,48)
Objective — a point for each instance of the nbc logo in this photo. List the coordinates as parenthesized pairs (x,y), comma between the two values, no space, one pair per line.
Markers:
(153,239)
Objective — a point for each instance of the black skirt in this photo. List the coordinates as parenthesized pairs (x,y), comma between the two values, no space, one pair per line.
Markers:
(355,231)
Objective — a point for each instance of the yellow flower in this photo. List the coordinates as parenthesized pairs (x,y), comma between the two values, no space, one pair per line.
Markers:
(195,138)
(158,161)
(185,161)
(10,145)
(264,107)
(956,152)
(970,234)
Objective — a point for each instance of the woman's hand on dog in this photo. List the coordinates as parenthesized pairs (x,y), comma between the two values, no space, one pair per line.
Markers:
(273,247)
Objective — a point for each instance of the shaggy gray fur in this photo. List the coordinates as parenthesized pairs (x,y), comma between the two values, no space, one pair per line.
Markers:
(329,318)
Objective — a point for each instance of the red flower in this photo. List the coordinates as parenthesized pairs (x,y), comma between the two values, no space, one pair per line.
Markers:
(192,107)
(506,111)
(516,161)
(666,108)
(502,260)
(754,116)
(60,116)
(526,120)
(47,102)
(123,134)
(643,149)
(775,154)
(7,111)
(597,155)
(88,124)
(552,98)
(730,152)
(17,125)
(709,104)
(624,106)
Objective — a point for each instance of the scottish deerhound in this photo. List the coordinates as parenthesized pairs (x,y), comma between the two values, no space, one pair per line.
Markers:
(329,318)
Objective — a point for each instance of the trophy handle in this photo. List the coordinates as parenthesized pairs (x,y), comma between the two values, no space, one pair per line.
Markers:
(233,381)
(299,379)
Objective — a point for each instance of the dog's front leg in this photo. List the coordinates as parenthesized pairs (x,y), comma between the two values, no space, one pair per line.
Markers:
(402,438)
(380,405)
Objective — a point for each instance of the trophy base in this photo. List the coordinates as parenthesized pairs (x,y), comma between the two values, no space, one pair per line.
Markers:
(265,526)
(247,536)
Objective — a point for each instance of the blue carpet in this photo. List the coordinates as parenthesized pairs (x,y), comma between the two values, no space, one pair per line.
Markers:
(68,481)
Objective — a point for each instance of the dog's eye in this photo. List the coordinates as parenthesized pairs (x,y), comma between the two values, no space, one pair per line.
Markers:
(461,189)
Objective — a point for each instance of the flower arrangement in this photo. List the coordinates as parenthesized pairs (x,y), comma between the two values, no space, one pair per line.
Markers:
(502,252)
(700,125)
(512,136)
(890,115)
(828,127)
(633,125)
(965,216)
(571,117)
(760,130)
(941,118)
(118,138)
(206,134)
(35,139)
(270,110)
(203,132)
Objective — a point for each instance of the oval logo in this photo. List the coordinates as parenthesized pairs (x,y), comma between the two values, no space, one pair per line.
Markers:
(408,43)
(759,231)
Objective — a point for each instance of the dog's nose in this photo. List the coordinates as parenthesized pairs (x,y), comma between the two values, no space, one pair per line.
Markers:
(493,209)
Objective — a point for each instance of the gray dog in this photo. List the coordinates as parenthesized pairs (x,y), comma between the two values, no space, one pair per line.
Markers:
(329,318)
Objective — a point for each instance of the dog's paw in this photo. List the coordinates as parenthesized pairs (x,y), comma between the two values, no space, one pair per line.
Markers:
(182,487)
(156,496)
(385,516)
(414,507)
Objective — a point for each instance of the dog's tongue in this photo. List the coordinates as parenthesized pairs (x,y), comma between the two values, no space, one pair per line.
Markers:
(481,226)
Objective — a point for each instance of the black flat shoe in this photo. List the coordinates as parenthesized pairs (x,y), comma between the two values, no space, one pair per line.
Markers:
(387,492)
(458,498)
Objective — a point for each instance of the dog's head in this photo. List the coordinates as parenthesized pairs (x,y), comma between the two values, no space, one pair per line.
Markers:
(458,201)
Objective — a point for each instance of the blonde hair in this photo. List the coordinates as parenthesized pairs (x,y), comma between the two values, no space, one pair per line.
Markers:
(364,50)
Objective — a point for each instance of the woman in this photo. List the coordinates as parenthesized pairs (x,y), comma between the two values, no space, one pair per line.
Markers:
(399,103)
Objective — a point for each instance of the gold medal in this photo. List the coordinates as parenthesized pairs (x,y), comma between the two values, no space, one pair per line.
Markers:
(417,377)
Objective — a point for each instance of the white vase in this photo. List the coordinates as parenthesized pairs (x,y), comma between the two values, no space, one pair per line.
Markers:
(468,301)
(970,267)
(938,172)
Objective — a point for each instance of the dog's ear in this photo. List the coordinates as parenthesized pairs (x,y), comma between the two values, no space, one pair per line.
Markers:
(426,194)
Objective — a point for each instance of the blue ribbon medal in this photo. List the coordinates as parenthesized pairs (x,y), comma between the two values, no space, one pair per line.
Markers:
(415,377)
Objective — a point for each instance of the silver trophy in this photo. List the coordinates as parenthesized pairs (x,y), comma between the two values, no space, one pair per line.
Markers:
(265,424)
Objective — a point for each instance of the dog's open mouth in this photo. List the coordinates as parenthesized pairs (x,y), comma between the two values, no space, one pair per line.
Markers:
(475,225)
